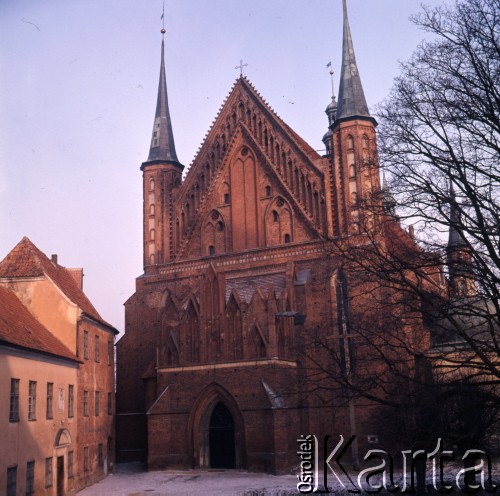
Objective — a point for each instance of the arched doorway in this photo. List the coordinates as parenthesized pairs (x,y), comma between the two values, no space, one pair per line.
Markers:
(221,438)
(216,429)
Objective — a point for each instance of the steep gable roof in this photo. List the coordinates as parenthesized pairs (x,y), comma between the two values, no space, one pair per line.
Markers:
(20,328)
(26,260)
(245,113)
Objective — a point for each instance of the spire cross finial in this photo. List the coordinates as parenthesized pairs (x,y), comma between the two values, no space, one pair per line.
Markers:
(240,67)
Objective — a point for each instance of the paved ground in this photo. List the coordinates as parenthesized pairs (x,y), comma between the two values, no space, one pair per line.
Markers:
(130,480)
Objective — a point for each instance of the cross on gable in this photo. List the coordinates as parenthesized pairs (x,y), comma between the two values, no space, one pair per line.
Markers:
(240,67)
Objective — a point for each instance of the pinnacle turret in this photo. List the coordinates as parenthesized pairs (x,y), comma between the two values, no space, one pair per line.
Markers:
(456,237)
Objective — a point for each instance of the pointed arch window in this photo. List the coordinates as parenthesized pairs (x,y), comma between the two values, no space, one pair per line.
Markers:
(151,184)
(276,216)
(287,238)
(211,250)
(268,191)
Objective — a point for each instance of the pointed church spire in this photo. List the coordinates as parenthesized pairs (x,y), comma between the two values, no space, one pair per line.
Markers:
(162,140)
(388,200)
(352,102)
(456,236)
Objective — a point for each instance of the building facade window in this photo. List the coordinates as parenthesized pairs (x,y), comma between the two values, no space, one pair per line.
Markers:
(32,401)
(30,478)
(86,459)
(86,403)
(97,403)
(110,404)
(85,344)
(97,349)
(70,464)
(71,398)
(50,399)
(48,472)
(14,400)
(100,455)
(12,481)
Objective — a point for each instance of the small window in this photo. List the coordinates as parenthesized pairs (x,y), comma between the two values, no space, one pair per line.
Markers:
(97,403)
(12,481)
(268,191)
(86,459)
(86,403)
(32,401)
(352,170)
(220,226)
(97,349)
(276,216)
(110,404)
(211,250)
(350,143)
(86,344)
(100,455)
(152,259)
(70,464)
(71,392)
(48,472)
(30,478)
(14,400)
(50,398)
(152,234)
(287,238)
(151,185)
(152,209)
(227,198)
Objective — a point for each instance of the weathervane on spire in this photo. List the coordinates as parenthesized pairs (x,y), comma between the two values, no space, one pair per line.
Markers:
(329,65)
(163,20)
(240,67)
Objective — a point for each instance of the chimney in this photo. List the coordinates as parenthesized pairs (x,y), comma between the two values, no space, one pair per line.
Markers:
(53,259)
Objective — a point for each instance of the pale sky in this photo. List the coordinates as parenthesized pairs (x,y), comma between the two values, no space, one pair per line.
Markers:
(78,85)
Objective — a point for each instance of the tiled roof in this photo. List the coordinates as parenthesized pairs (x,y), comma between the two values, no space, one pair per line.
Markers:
(19,328)
(245,287)
(26,260)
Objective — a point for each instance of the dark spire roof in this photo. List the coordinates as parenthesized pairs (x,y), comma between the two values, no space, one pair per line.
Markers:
(162,141)
(456,236)
(352,102)
(388,200)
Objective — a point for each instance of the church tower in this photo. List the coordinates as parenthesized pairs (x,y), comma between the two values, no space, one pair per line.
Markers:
(355,171)
(458,255)
(162,174)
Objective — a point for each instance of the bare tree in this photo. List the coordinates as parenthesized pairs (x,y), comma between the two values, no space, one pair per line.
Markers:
(439,142)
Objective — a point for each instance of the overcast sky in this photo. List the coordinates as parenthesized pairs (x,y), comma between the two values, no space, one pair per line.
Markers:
(78,84)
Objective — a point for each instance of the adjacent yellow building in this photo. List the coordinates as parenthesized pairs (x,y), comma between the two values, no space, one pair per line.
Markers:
(56,378)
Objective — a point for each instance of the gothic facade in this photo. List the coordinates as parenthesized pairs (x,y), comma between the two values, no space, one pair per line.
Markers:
(243,269)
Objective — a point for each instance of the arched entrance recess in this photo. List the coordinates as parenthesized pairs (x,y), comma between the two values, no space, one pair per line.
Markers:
(217,430)
(221,438)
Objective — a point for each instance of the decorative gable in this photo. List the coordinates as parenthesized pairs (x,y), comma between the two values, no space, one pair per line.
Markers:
(254,183)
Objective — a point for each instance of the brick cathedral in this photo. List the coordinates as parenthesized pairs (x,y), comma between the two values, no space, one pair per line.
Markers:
(241,270)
